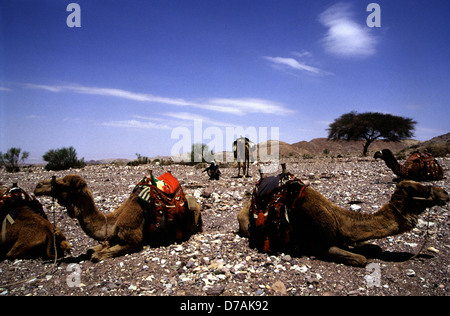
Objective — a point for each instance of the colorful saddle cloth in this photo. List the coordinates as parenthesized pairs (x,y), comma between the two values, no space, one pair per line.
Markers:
(273,200)
(164,204)
(17,197)
(428,166)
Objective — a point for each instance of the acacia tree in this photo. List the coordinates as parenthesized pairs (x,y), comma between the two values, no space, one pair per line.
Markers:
(370,126)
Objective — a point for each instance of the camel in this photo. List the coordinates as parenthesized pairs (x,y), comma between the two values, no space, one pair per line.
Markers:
(123,231)
(418,167)
(321,228)
(25,231)
(243,150)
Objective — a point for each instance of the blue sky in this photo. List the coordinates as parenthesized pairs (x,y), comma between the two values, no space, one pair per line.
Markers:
(137,70)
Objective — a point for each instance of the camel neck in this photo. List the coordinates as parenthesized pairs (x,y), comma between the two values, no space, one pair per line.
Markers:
(388,221)
(92,221)
(393,164)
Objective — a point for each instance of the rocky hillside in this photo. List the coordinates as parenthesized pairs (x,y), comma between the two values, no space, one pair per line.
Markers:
(438,146)
(323,146)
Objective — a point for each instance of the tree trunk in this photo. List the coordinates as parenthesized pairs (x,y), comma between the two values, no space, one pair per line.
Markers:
(366,147)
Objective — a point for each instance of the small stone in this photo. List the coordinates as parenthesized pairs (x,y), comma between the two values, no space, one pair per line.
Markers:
(215,290)
(410,272)
(279,287)
(432,249)
(287,258)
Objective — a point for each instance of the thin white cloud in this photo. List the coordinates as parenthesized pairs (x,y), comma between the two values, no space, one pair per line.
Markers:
(294,64)
(242,106)
(345,37)
(142,97)
(184,116)
(136,124)
(4,89)
(236,106)
(33,116)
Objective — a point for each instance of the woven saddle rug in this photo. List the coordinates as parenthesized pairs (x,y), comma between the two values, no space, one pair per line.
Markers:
(428,166)
(164,203)
(16,197)
(273,200)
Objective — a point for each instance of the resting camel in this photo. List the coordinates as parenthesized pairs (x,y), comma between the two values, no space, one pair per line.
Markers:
(122,231)
(26,233)
(418,167)
(243,150)
(324,229)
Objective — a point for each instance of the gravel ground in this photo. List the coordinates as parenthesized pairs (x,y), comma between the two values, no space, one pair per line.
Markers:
(218,261)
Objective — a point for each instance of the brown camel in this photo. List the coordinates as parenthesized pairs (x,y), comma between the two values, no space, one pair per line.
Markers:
(321,228)
(25,231)
(419,166)
(123,231)
(243,150)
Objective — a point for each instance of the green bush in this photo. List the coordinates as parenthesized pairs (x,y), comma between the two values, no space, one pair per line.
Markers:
(12,159)
(62,159)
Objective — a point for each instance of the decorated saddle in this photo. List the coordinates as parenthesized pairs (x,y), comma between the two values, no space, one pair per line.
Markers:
(17,197)
(273,200)
(429,167)
(164,204)
(11,201)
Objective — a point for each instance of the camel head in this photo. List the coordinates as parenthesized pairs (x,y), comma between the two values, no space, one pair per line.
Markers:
(383,154)
(417,197)
(66,191)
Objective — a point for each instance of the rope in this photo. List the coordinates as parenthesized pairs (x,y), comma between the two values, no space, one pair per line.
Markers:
(427,234)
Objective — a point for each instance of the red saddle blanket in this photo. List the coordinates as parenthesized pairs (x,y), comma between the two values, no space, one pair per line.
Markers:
(17,197)
(164,203)
(428,166)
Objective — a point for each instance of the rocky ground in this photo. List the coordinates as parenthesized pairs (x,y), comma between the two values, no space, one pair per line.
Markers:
(218,261)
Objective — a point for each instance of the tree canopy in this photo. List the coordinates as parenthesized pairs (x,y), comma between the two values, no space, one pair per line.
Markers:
(370,126)
(62,159)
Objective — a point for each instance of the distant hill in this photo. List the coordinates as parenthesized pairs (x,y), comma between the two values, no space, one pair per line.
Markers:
(322,146)
(439,146)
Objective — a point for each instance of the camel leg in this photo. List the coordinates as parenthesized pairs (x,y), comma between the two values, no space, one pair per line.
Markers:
(340,255)
(239,169)
(114,251)
(94,249)
(23,249)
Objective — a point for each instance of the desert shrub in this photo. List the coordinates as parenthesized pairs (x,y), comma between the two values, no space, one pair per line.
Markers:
(62,159)
(438,150)
(11,159)
(140,160)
